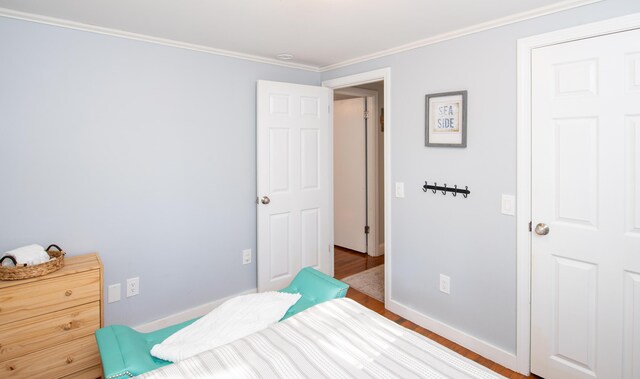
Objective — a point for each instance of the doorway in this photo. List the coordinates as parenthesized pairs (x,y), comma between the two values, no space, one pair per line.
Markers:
(358,169)
(384,76)
(358,172)
(292,124)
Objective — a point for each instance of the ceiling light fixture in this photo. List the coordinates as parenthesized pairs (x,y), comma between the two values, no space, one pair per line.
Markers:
(285,56)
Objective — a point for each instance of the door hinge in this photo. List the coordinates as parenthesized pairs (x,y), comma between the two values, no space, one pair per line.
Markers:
(366,115)
(366,229)
(529,225)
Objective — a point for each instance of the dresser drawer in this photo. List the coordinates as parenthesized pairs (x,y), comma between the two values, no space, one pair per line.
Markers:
(54,362)
(29,335)
(48,295)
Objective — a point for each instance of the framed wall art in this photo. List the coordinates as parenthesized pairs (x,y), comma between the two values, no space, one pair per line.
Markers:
(446,119)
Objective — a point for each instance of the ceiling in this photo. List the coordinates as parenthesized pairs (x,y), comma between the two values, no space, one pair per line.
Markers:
(319,34)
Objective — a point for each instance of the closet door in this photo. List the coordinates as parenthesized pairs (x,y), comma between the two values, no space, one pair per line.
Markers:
(585,298)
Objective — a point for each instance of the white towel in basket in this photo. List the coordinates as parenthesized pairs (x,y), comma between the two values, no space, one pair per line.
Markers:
(27,255)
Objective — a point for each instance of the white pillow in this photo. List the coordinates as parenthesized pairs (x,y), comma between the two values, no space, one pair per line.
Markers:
(233,319)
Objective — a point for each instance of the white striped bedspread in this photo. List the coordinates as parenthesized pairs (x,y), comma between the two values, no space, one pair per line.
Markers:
(336,339)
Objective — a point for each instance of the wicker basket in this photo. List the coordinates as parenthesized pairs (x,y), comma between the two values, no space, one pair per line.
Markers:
(25,272)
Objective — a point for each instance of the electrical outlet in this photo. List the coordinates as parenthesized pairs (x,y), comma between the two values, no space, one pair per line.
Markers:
(246,256)
(133,286)
(113,293)
(445,284)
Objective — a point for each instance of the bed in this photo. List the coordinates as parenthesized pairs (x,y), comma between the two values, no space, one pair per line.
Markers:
(335,339)
(125,352)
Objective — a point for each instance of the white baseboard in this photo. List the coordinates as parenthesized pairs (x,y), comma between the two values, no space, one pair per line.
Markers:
(468,341)
(189,314)
(378,252)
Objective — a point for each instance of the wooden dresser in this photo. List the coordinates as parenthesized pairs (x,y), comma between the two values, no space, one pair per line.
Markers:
(47,323)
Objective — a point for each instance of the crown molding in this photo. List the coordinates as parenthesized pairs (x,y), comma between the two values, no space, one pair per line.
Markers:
(8,13)
(542,11)
(518,17)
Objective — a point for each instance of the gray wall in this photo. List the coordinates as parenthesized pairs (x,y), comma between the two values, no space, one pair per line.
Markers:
(142,152)
(467,239)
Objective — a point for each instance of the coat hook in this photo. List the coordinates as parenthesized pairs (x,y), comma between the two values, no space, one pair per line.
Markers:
(444,189)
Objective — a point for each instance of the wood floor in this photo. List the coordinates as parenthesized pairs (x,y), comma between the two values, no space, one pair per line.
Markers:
(347,262)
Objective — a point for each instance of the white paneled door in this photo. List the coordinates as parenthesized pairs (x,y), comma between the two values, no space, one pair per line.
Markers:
(350,174)
(295,218)
(585,298)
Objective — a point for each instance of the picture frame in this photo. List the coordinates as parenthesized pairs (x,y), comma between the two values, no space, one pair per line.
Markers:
(446,119)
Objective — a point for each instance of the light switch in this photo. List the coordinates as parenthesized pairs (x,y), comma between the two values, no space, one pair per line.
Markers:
(508,205)
(399,189)
(113,294)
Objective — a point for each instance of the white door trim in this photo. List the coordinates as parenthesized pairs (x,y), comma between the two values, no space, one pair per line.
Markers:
(372,164)
(383,74)
(523,176)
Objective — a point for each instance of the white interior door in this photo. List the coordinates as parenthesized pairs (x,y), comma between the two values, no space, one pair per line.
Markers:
(349,174)
(295,218)
(585,297)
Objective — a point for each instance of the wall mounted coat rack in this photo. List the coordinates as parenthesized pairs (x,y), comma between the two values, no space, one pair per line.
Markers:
(454,190)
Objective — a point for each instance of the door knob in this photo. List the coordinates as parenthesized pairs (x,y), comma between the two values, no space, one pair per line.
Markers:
(542,229)
(265,200)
